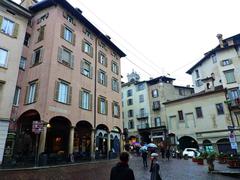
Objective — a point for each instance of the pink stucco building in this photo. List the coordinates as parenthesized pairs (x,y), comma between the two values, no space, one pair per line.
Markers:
(70,82)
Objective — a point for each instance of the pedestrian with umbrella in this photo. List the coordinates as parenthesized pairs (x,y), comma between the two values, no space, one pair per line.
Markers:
(154,169)
(144,152)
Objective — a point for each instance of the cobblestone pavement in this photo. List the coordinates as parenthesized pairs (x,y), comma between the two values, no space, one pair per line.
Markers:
(175,169)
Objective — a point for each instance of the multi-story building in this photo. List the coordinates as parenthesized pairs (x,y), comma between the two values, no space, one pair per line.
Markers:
(13,24)
(143,108)
(204,119)
(70,82)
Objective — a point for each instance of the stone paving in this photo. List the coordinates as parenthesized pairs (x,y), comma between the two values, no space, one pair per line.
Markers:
(173,169)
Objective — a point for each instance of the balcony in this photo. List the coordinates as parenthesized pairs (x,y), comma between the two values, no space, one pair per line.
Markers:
(161,124)
(235,102)
(142,116)
(156,106)
(143,126)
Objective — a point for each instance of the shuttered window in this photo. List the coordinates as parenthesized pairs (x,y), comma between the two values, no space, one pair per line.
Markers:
(230,77)
(115,109)
(115,85)
(86,68)
(68,35)
(32,92)
(114,67)
(41,33)
(102,105)
(102,58)
(63,92)
(85,101)
(16,96)
(65,57)
(37,56)
(9,27)
(87,48)
(102,77)
(3,57)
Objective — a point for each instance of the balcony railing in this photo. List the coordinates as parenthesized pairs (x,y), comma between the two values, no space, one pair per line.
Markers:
(158,124)
(143,126)
(142,116)
(235,102)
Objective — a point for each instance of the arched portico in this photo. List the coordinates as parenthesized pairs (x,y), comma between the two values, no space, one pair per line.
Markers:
(187,142)
(207,146)
(224,146)
(102,132)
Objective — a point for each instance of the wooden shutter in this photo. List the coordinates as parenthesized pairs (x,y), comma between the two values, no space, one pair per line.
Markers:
(62,31)
(80,98)
(106,61)
(69,99)
(72,61)
(99,103)
(106,106)
(113,109)
(99,56)
(90,101)
(91,51)
(59,58)
(106,79)
(117,69)
(36,92)
(41,54)
(26,95)
(83,42)
(33,59)
(56,90)
(1,20)
(15,32)
(91,71)
(82,63)
(74,39)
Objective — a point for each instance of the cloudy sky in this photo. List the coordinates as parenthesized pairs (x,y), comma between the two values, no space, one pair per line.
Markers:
(162,37)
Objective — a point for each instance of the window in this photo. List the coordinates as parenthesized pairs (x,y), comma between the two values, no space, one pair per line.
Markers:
(86,68)
(115,109)
(31,93)
(102,105)
(27,39)
(63,92)
(199,112)
(220,109)
(130,102)
(102,78)
(142,112)
(41,33)
(87,33)
(226,62)
(214,58)
(16,96)
(65,57)
(156,105)
(198,83)
(129,93)
(85,100)
(180,115)
(115,86)
(8,27)
(130,113)
(229,75)
(37,56)
(115,68)
(181,92)
(42,18)
(22,63)
(197,73)
(130,124)
(3,57)
(157,121)
(87,48)
(155,93)
(70,19)
(68,35)
(141,98)
(140,87)
(233,94)
(102,59)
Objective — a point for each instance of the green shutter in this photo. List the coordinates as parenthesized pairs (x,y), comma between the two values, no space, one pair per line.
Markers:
(62,31)
(80,98)
(99,104)
(1,20)
(26,95)
(41,55)
(72,61)
(15,32)
(56,90)
(59,58)
(90,101)
(74,39)
(106,106)
(91,51)
(69,99)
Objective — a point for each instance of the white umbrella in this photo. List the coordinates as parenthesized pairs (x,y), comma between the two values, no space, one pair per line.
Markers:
(152,145)
(143,148)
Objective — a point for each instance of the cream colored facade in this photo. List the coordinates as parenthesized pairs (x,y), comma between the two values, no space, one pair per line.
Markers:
(13,24)
(208,125)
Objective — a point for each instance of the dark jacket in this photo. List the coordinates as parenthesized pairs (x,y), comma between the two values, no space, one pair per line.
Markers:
(155,172)
(144,155)
(121,172)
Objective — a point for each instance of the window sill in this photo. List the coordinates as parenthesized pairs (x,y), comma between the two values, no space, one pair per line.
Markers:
(68,41)
(118,117)
(62,102)
(102,84)
(102,113)
(21,69)
(8,35)
(90,55)
(86,76)
(85,109)
(181,121)
(115,91)
(29,103)
(3,67)
(231,82)
(65,64)
(16,106)
(36,64)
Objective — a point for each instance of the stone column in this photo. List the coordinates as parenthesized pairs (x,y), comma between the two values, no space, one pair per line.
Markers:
(93,144)
(108,145)
(42,140)
(71,141)
(121,140)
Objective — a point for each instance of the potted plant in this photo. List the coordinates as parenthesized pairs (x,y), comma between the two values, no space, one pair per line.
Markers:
(199,160)
(221,158)
(210,159)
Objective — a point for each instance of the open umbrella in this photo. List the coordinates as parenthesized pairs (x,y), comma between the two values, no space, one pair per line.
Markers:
(151,145)
(137,144)
(143,148)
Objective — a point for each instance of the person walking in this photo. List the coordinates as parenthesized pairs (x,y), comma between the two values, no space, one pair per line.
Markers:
(168,153)
(122,171)
(144,157)
(154,169)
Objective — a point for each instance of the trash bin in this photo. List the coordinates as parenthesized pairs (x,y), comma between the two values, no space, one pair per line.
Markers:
(43,158)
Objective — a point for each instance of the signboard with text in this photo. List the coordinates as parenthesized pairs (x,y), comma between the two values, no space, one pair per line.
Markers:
(37,127)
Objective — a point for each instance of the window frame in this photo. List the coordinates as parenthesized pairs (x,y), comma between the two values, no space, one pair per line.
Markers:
(220,111)
(233,75)
(16,98)
(199,112)
(180,115)
(6,58)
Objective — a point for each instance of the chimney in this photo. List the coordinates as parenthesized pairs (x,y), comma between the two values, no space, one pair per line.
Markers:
(28,3)
(79,10)
(219,36)
(108,37)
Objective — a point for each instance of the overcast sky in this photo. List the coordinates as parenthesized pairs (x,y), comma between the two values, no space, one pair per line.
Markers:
(162,36)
